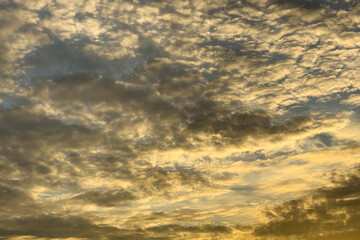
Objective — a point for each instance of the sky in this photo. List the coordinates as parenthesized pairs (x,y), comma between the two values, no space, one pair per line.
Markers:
(191,119)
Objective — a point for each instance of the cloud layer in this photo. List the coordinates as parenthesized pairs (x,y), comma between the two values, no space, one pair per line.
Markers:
(179,119)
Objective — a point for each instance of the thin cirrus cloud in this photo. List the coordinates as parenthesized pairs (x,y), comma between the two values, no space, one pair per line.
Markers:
(179,119)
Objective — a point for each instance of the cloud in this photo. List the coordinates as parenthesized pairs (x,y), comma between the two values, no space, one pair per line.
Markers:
(173,228)
(353,99)
(15,202)
(30,143)
(168,104)
(106,198)
(325,213)
(20,35)
(65,227)
(177,119)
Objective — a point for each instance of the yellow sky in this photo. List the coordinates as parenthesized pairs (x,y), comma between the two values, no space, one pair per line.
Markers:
(201,119)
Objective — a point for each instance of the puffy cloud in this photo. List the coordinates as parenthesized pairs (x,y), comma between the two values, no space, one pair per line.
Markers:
(353,99)
(326,213)
(20,35)
(163,120)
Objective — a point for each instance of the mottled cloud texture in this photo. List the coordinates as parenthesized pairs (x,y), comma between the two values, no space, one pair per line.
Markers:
(200,119)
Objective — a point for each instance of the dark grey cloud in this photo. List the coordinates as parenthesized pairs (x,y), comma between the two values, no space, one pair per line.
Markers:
(52,226)
(24,126)
(158,181)
(15,202)
(64,227)
(177,106)
(237,126)
(317,4)
(326,213)
(106,198)
(145,179)
(174,228)
(182,215)
(28,140)
(15,27)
